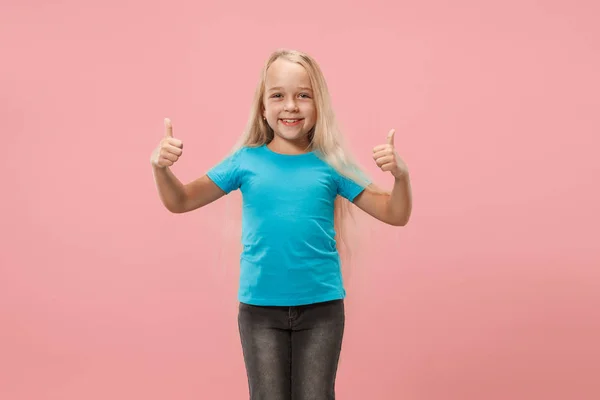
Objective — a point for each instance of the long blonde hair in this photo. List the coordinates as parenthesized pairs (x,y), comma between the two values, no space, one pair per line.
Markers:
(325,138)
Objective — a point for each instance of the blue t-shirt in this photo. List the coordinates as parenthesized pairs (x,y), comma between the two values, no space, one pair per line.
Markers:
(289,254)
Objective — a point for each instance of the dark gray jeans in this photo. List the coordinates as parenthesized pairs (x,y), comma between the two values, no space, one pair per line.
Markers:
(292,353)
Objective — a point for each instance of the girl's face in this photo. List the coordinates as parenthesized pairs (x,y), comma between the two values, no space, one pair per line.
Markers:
(289,105)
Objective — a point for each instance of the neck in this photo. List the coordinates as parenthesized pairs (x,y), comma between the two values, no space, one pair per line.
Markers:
(284,146)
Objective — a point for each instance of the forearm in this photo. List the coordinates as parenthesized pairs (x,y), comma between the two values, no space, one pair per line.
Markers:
(400,201)
(170,190)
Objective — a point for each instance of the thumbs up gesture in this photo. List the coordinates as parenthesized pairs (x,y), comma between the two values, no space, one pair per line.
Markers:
(387,159)
(169,149)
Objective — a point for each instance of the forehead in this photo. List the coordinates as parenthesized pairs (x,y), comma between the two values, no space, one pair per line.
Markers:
(286,73)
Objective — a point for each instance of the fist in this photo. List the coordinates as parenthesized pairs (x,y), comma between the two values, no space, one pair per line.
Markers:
(169,149)
(387,159)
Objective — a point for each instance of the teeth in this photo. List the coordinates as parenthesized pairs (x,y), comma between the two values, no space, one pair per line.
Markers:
(290,120)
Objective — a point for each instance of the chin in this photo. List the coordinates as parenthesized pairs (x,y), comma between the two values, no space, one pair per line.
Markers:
(293,137)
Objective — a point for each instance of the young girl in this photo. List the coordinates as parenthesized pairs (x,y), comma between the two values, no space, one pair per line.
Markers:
(297,183)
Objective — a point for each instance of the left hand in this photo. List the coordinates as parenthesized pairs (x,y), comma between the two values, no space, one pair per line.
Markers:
(387,159)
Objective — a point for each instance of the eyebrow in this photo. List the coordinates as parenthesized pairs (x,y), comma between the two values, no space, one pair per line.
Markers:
(280,88)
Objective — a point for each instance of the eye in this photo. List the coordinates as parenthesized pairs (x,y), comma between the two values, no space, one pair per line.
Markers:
(305,95)
(276,95)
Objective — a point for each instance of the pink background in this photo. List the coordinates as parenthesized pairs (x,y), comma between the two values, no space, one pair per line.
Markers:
(491,292)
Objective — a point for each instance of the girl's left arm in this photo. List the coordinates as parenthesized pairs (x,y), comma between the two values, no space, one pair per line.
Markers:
(392,208)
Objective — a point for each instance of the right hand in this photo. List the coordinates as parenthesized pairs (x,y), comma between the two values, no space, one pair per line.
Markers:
(169,149)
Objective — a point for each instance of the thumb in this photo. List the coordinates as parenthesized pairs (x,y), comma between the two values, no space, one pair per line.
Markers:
(390,137)
(168,128)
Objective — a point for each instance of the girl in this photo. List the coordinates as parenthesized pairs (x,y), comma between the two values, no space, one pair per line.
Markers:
(297,183)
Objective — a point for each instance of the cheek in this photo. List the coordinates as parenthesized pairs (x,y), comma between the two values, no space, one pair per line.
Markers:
(310,112)
(272,111)
(307,108)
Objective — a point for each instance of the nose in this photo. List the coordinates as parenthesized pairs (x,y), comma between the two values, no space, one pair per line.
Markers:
(290,105)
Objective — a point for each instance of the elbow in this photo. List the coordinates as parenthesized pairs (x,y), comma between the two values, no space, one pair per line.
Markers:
(398,214)
(172,210)
(175,208)
(178,205)
(401,220)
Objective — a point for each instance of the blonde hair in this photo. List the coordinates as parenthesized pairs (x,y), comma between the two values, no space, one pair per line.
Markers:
(325,138)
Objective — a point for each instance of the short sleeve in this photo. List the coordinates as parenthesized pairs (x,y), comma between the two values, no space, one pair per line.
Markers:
(226,174)
(348,188)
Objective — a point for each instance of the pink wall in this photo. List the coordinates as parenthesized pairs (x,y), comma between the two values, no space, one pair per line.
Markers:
(492,291)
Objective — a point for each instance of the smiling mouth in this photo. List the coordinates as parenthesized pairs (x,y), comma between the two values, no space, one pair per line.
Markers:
(291,122)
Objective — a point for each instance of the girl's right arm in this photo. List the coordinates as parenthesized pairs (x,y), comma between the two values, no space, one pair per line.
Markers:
(177,197)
